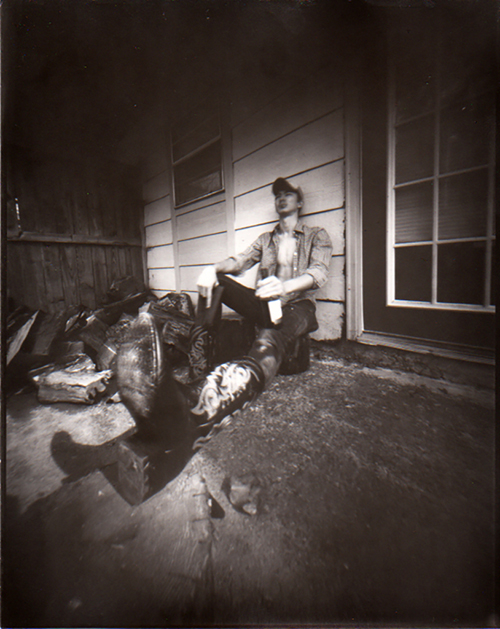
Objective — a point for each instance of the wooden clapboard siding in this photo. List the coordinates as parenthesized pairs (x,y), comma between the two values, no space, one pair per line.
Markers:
(330,316)
(204,250)
(333,222)
(157,211)
(160,257)
(189,276)
(162,279)
(316,143)
(334,289)
(156,188)
(323,189)
(207,220)
(317,96)
(159,234)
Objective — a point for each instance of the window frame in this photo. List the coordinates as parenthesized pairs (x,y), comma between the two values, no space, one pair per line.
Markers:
(435,179)
(213,109)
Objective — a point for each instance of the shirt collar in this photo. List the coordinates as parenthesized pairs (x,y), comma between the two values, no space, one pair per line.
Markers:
(299,228)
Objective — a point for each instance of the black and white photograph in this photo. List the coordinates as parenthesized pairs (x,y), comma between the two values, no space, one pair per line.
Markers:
(248,313)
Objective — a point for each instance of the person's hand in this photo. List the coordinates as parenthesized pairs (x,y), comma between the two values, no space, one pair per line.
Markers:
(206,282)
(270,288)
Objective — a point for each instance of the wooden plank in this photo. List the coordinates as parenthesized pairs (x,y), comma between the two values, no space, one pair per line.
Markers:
(317,143)
(74,239)
(202,222)
(102,261)
(156,188)
(323,189)
(86,276)
(189,277)
(17,273)
(317,96)
(54,294)
(205,250)
(157,211)
(159,234)
(160,257)
(69,275)
(330,316)
(254,89)
(162,279)
(332,221)
(212,199)
(334,289)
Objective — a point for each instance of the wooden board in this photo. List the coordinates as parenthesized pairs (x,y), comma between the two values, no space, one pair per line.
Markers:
(323,189)
(332,221)
(160,257)
(330,316)
(204,250)
(69,274)
(334,289)
(315,144)
(157,211)
(202,222)
(317,96)
(157,187)
(86,276)
(162,279)
(159,234)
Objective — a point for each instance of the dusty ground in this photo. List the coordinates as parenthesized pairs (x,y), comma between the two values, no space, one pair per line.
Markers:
(374,498)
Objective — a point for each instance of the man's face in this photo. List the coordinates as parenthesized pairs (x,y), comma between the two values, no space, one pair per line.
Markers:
(286,202)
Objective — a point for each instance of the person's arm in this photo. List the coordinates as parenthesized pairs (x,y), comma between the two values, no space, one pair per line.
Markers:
(232,266)
(273,288)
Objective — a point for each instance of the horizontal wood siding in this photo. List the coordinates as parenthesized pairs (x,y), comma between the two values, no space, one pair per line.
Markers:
(308,147)
(80,230)
(289,130)
(158,224)
(316,96)
(298,135)
(206,220)
(323,189)
(204,250)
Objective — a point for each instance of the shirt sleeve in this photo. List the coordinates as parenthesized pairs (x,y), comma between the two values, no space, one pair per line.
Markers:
(319,258)
(248,258)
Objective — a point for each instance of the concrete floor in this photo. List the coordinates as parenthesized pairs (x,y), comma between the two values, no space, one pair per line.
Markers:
(373,492)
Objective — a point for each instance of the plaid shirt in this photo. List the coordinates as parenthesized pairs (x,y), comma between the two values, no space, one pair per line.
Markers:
(313,251)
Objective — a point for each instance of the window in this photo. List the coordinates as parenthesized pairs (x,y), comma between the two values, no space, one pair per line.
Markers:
(196,156)
(441,240)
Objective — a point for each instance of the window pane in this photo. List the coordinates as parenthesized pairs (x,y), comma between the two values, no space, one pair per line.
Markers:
(461,272)
(199,175)
(466,131)
(207,130)
(463,201)
(415,149)
(414,212)
(414,273)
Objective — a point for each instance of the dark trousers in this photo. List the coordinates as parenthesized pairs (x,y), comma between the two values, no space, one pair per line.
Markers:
(273,342)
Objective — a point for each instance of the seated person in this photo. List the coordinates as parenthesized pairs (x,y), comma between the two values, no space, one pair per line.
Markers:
(294,261)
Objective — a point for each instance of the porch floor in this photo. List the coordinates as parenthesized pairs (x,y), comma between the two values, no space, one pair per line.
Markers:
(374,498)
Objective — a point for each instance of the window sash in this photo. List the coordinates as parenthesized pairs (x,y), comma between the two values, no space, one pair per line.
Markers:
(400,225)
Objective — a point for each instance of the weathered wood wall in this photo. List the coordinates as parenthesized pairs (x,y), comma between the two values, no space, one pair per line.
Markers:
(290,131)
(78,229)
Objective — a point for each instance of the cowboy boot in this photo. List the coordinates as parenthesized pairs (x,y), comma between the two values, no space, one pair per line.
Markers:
(175,412)
(228,388)
(147,387)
